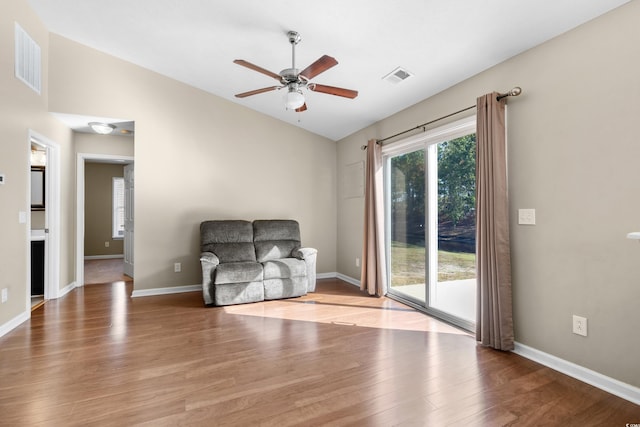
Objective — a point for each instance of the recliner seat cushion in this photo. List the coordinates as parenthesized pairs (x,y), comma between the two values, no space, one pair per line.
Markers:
(284,268)
(238,272)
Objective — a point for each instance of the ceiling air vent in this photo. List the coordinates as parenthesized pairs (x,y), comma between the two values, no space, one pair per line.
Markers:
(398,75)
(28,59)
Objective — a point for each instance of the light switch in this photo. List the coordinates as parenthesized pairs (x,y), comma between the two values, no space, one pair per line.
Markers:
(22,217)
(527,216)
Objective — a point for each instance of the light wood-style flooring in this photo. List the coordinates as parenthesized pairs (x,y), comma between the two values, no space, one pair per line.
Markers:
(334,357)
(98,271)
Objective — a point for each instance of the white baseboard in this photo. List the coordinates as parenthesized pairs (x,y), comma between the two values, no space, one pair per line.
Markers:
(104,256)
(165,291)
(608,384)
(334,275)
(62,292)
(14,323)
(193,288)
(348,279)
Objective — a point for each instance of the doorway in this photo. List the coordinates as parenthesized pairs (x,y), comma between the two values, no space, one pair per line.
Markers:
(430,215)
(126,238)
(43,220)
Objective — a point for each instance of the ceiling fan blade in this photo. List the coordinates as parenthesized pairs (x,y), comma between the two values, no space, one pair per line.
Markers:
(320,66)
(258,69)
(301,109)
(331,90)
(257,91)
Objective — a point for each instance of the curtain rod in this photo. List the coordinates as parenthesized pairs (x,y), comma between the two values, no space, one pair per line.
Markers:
(513,92)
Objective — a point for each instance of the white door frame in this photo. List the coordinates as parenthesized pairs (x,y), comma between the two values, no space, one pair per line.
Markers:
(129,207)
(81,159)
(52,218)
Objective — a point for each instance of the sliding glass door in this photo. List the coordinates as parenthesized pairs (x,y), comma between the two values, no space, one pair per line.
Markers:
(430,195)
(406,233)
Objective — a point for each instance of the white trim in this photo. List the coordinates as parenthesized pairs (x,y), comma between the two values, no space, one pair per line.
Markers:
(348,279)
(52,219)
(117,256)
(196,288)
(80,161)
(165,291)
(603,382)
(15,322)
(442,133)
(71,286)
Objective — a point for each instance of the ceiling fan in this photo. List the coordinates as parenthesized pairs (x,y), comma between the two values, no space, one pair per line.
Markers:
(295,80)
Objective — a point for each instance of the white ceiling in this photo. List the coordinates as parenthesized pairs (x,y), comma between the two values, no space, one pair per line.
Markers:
(441,42)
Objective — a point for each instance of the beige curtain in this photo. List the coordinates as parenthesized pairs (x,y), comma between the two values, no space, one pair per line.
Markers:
(494,326)
(373,277)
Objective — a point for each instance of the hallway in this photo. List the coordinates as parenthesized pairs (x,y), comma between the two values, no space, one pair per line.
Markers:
(97,271)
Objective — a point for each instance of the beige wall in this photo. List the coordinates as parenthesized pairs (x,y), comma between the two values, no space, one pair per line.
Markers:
(573,155)
(21,109)
(115,145)
(98,203)
(199,157)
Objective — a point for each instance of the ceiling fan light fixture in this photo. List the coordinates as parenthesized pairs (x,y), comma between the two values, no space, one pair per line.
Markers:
(293,99)
(102,128)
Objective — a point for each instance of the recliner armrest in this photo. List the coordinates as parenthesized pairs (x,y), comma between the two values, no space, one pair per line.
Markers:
(209,262)
(309,256)
(209,257)
(304,253)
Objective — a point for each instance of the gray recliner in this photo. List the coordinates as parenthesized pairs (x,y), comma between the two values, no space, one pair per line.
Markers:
(246,261)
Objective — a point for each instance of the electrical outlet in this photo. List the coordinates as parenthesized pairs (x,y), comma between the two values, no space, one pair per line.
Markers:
(580,325)
(106,244)
(5,295)
(177,267)
(357,262)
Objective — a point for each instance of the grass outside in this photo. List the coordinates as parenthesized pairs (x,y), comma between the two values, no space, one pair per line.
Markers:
(408,265)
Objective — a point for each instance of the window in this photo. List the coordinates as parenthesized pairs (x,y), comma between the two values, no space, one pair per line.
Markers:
(118,208)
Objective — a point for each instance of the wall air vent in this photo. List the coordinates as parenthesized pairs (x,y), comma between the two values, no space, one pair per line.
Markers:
(398,75)
(28,60)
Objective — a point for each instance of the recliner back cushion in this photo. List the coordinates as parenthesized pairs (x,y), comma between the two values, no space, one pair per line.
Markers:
(275,238)
(230,240)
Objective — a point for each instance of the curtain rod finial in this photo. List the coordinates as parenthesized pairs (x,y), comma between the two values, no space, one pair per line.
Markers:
(513,92)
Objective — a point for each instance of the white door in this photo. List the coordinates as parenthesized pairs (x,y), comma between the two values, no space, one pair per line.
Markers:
(128,219)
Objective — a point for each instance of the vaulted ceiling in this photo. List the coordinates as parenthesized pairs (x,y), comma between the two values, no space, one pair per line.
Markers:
(440,42)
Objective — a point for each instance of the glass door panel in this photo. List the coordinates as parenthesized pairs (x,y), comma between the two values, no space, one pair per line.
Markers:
(406,180)
(453,289)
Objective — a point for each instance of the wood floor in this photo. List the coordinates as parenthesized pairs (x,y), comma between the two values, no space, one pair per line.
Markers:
(97,271)
(335,357)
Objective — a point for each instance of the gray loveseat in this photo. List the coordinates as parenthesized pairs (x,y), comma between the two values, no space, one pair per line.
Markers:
(246,261)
